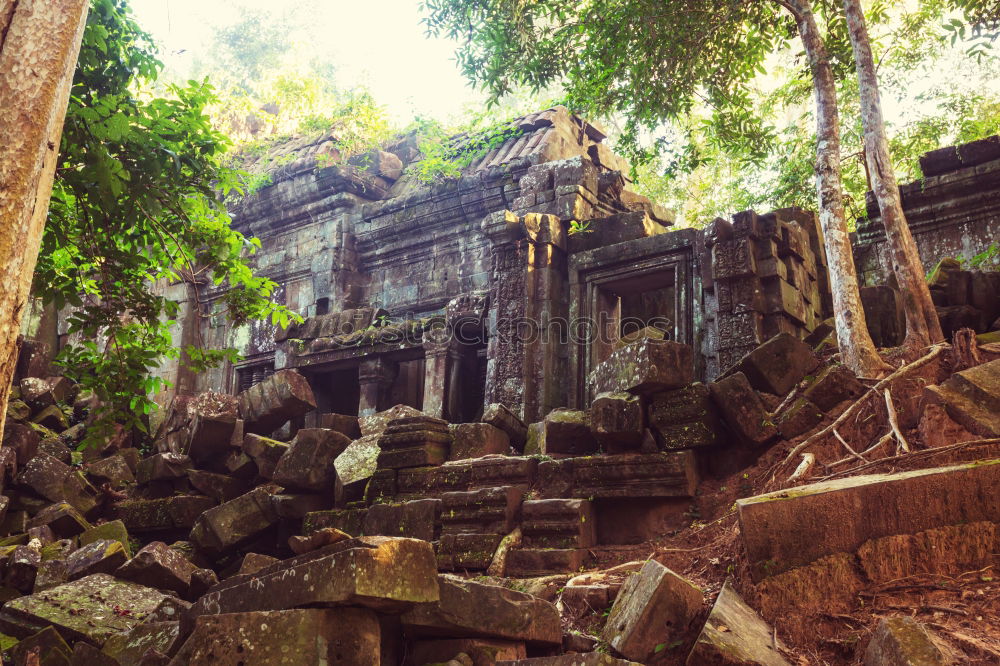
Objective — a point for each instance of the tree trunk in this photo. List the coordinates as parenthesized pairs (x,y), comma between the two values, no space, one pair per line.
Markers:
(922,325)
(39,44)
(856,347)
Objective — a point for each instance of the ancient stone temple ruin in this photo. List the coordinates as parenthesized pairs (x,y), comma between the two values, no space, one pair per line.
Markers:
(508,388)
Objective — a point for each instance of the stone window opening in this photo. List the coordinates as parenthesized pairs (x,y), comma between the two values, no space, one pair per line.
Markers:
(251,375)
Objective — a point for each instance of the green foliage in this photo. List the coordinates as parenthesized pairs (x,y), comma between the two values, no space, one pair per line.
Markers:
(135,209)
(446,153)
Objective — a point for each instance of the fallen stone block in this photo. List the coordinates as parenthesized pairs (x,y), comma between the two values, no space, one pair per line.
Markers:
(296,507)
(97,557)
(742,409)
(482,651)
(492,472)
(475,440)
(113,470)
(794,527)
(264,452)
(832,386)
(800,417)
(972,398)
(616,422)
(45,476)
(777,365)
(902,641)
(268,405)
(350,521)
(949,550)
(157,565)
(342,423)
(220,487)
(213,420)
(501,417)
(91,609)
(655,606)
(734,635)
(643,367)
(476,610)
(586,659)
(348,636)
(417,519)
(685,418)
(62,519)
(224,527)
(114,531)
(163,467)
(131,647)
(384,573)
(46,648)
(37,393)
(169,513)
(376,423)
(301,545)
(52,417)
(308,464)
(358,461)
(563,432)
(622,475)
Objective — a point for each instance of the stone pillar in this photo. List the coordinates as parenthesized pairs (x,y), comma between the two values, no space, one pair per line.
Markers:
(442,363)
(375,376)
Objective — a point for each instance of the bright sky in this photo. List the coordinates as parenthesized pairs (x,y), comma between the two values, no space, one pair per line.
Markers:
(380,44)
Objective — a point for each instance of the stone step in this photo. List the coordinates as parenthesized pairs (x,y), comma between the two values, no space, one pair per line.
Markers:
(794,527)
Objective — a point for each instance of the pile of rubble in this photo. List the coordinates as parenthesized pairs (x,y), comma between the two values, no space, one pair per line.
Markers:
(402,539)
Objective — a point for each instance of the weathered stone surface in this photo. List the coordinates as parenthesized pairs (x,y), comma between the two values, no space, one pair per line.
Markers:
(949,550)
(51,417)
(90,609)
(500,416)
(743,409)
(414,442)
(587,659)
(46,648)
(113,470)
(45,475)
(130,647)
(473,609)
(645,366)
(376,423)
(558,523)
(488,472)
(532,562)
(474,440)
(616,421)
(350,521)
(482,652)
(37,393)
(163,467)
(563,432)
(623,475)
(97,557)
(222,528)
(348,636)
(800,417)
(972,398)
(467,551)
(791,528)
(685,418)
(884,315)
(62,519)
(283,396)
(832,386)
(342,423)
(114,531)
(734,635)
(654,606)
(254,562)
(308,464)
(213,420)
(295,507)
(301,545)
(384,573)
(483,511)
(777,365)
(265,453)
(902,641)
(359,460)
(220,487)
(418,519)
(168,513)
(157,565)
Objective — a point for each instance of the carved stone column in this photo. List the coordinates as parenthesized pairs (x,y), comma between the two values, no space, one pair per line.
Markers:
(441,366)
(375,376)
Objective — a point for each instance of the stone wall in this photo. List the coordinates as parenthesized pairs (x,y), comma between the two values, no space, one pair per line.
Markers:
(952,211)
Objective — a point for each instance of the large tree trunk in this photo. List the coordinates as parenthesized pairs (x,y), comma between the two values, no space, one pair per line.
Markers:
(922,325)
(856,347)
(39,44)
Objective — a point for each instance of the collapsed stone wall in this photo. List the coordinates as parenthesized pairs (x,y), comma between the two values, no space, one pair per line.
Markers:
(952,211)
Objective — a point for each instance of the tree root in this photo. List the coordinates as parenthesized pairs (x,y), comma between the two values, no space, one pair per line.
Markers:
(935,352)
